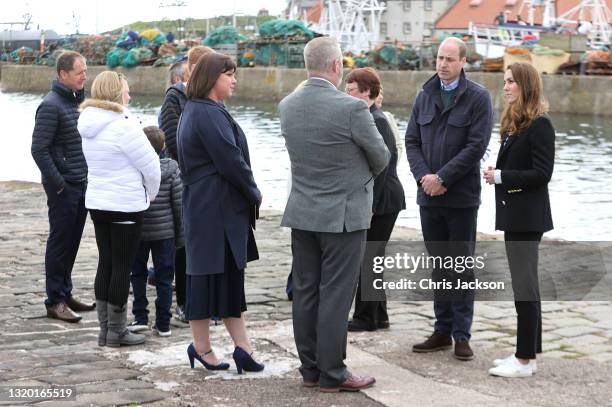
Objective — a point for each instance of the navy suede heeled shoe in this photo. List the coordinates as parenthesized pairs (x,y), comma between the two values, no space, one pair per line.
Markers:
(244,361)
(193,354)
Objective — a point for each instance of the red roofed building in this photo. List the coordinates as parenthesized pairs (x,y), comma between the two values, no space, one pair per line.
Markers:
(458,17)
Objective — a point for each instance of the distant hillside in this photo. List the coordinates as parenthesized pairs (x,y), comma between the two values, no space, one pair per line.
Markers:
(196,27)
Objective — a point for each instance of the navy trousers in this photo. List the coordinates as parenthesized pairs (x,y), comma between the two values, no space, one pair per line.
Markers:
(163,252)
(451,232)
(180,267)
(67,215)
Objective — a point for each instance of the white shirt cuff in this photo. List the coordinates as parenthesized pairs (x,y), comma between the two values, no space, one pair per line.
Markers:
(497,176)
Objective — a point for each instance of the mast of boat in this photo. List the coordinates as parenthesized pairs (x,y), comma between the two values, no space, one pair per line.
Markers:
(548,12)
(354,23)
(598,13)
(176,14)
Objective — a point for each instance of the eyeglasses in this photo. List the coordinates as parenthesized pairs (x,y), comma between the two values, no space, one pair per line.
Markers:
(351,89)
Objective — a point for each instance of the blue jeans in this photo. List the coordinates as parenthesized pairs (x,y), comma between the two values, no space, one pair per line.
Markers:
(163,252)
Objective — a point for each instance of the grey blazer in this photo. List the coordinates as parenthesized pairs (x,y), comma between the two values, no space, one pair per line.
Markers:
(335,152)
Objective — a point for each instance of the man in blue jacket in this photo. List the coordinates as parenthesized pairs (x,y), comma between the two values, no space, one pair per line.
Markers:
(447,136)
(57,150)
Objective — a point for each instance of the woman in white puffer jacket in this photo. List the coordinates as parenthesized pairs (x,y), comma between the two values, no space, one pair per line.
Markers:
(123,178)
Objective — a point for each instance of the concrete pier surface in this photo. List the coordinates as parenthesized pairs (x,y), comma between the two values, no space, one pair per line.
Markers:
(574,370)
(581,94)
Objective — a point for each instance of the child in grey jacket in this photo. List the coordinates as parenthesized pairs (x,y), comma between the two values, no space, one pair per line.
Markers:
(162,233)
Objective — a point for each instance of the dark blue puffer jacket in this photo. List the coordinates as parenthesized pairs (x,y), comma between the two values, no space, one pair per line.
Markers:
(56,142)
(171,110)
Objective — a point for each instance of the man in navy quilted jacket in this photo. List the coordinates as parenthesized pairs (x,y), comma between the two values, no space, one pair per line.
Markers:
(57,150)
(447,135)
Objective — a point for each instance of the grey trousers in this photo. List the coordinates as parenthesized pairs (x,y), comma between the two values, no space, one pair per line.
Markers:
(325,273)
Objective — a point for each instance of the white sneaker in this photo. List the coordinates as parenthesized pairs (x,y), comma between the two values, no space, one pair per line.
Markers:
(161,333)
(513,368)
(135,326)
(499,362)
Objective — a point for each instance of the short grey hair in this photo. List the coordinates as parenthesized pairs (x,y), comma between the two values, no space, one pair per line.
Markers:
(177,69)
(320,53)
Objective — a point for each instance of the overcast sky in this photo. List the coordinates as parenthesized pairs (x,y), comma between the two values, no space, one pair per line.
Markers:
(104,15)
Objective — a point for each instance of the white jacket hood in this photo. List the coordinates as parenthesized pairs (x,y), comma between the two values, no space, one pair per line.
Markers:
(123,169)
(96,115)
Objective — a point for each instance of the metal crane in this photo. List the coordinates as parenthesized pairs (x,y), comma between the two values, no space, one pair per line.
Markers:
(600,17)
(354,23)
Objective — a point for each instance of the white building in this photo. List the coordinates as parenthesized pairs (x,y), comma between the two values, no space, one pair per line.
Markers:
(407,21)
(411,21)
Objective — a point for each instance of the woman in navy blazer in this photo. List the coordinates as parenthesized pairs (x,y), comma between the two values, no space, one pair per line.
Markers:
(220,203)
(523,170)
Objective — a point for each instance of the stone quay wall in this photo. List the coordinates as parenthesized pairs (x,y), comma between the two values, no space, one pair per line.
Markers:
(565,93)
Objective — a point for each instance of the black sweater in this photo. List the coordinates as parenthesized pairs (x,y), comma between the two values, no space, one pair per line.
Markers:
(388,190)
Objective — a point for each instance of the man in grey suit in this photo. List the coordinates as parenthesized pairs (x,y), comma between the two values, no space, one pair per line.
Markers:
(335,152)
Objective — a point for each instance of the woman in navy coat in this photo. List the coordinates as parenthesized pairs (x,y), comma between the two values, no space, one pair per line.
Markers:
(220,202)
(523,170)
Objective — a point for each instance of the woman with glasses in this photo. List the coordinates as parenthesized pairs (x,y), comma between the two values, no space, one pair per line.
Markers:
(364,84)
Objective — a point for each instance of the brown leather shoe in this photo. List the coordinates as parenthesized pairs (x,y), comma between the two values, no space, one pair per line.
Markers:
(437,341)
(78,306)
(62,312)
(308,384)
(463,350)
(352,383)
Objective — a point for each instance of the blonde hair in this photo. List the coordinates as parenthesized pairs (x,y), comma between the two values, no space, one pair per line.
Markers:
(197,52)
(108,85)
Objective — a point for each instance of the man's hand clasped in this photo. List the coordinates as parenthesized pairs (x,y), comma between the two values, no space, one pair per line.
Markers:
(432,185)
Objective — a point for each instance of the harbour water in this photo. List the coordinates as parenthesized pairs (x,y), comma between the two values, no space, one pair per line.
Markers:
(581,191)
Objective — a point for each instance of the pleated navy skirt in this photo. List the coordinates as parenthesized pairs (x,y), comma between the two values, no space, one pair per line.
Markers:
(219,295)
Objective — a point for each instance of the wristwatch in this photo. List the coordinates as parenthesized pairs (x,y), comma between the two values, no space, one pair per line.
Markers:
(440,180)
